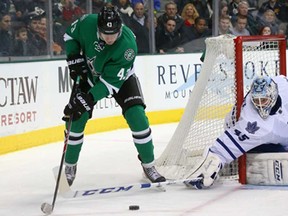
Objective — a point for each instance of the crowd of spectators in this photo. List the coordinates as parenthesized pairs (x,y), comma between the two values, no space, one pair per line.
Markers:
(179,25)
(24,26)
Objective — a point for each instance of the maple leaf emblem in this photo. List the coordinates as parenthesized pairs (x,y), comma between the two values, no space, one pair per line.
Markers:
(252,127)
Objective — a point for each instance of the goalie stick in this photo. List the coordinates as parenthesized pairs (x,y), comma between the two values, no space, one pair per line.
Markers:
(46,207)
(66,192)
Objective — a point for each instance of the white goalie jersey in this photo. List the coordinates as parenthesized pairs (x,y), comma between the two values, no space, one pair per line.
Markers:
(251,130)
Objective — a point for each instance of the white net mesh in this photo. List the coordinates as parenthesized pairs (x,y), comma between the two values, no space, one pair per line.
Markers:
(212,98)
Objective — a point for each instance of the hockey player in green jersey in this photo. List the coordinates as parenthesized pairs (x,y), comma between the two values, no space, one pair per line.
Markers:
(101,50)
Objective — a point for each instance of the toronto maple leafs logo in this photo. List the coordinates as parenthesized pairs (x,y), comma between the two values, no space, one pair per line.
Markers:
(252,127)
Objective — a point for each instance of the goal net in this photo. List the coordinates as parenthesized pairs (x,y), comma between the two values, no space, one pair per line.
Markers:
(230,65)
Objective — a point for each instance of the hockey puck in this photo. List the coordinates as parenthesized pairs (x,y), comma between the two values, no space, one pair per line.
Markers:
(134,207)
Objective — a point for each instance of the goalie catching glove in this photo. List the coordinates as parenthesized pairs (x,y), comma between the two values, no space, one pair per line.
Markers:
(77,66)
(206,172)
(79,104)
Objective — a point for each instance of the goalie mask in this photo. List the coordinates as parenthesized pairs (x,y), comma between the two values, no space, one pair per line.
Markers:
(264,93)
(109,21)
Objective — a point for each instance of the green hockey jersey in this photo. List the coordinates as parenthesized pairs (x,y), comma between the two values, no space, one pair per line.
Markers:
(110,64)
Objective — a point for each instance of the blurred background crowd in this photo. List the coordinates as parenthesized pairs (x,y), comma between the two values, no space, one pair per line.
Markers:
(35,28)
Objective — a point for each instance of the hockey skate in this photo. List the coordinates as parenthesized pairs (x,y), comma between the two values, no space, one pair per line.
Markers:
(70,172)
(152,174)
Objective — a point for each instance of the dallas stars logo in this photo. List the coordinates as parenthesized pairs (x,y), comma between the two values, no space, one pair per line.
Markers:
(129,54)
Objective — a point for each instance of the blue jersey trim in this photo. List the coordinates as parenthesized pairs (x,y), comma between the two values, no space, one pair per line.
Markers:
(226,148)
(235,142)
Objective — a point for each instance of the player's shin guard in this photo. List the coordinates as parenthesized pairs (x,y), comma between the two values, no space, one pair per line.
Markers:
(141,132)
(142,137)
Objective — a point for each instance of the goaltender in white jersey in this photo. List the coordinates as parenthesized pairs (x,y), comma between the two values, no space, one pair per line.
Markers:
(263,123)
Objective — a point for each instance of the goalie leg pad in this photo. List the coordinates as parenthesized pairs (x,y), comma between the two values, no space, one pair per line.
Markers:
(207,171)
(267,168)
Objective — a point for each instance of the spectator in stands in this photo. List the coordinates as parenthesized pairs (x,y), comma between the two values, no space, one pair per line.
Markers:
(6,6)
(83,4)
(138,24)
(33,28)
(6,40)
(21,11)
(169,39)
(157,4)
(223,9)
(194,36)
(57,49)
(283,30)
(171,11)
(243,10)
(97,5)
(198,30)
(239,27)
(22,7)
(204,8)
(284,3)
(233,7)
(23,46)
(268,45)
(125,10)
(265,30)
(274,5)
(70,12)
(189,14)
(269,19)
(36,3)
(253,3)
(224,25)
(58,31)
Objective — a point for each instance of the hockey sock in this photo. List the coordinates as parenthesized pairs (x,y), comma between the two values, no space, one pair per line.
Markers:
(141,132)
(75,140)
(72,154)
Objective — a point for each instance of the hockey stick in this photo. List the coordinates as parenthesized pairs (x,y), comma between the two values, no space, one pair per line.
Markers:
(66,192)
(46,207)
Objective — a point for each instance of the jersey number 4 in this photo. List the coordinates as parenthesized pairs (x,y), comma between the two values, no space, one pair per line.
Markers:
(121,74)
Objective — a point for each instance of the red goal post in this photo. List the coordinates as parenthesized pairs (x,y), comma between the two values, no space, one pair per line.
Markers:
(230,65)
(239,41)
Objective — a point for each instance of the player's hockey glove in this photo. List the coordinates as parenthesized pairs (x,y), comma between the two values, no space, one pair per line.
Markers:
(79,104)
(77,66)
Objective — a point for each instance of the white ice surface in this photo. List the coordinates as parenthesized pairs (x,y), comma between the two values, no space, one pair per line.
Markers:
(110,159)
